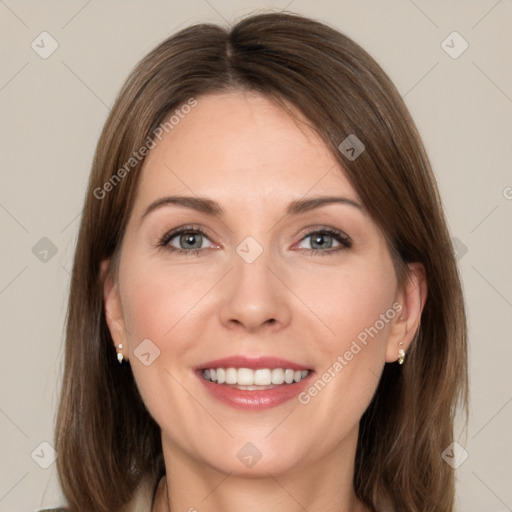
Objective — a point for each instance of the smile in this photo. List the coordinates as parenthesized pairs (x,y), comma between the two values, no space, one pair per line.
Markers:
(249,379)
(255,383)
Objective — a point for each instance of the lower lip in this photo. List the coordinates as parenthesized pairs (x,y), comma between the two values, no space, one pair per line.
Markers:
(254,399)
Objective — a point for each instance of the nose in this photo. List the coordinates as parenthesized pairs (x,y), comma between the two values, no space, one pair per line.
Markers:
(255,299)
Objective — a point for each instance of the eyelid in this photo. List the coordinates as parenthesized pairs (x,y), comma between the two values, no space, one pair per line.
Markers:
(344,240)
(163,242)
(309,230)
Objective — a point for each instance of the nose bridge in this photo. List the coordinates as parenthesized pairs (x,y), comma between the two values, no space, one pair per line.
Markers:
(251,272)
(254,296)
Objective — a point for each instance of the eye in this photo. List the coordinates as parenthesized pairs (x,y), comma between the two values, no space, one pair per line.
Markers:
(325,241)
(189,241)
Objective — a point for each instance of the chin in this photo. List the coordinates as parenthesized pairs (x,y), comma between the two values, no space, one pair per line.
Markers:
(246,460)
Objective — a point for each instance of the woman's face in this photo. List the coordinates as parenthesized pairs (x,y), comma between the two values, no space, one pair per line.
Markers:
(263,279)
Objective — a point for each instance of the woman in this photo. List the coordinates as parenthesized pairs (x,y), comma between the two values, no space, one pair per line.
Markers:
(261,240)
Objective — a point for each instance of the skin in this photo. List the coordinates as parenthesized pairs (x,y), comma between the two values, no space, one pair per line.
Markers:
(249,155)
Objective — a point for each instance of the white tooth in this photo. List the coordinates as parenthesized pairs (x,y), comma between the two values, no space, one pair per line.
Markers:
(277,376)
(231,376)
(288,376)
(221,375)
(245,377)
(262,377)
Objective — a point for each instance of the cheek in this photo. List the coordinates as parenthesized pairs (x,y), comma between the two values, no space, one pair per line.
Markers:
(357,306)
(162,304)
(158,302)
(354,303)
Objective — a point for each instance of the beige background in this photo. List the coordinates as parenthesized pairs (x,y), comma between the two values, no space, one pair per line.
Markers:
(52,113)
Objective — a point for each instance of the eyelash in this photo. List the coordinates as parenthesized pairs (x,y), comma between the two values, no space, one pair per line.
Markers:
(164,242)
(344,240)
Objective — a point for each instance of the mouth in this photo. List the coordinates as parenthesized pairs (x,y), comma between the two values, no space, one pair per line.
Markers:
(260,383)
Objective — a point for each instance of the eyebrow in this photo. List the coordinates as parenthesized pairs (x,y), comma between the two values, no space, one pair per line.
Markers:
(212,208)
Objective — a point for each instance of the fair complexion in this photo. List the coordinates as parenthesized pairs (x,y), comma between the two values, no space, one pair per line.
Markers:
(248,155)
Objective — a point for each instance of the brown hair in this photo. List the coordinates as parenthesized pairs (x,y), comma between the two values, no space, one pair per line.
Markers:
(106,440)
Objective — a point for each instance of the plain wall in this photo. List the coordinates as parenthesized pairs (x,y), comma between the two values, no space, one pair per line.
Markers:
(53,110)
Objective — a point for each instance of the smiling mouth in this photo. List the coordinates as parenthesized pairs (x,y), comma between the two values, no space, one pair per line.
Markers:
(253,380)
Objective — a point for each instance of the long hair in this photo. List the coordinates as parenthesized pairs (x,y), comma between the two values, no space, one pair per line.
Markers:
(106,439)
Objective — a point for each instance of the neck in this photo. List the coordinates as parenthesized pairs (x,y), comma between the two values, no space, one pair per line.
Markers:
(325,485)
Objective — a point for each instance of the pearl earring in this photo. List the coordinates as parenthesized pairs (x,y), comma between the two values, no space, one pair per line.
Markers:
(120,356)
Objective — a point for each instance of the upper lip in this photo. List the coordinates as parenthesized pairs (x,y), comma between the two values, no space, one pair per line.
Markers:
(253,363)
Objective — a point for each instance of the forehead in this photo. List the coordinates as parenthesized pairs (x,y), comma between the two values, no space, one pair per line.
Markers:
(241,148)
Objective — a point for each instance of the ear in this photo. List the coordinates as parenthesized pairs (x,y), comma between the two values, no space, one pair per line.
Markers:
(113,309)
(411,300)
